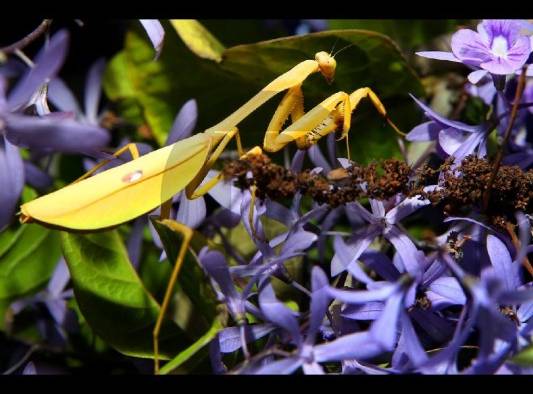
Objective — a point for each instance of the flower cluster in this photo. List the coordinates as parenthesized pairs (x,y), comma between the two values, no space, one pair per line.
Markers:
(457,300)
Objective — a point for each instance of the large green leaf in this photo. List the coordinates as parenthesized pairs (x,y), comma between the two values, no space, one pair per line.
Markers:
(28,261)
(112,298)
(161,87)
(408,33)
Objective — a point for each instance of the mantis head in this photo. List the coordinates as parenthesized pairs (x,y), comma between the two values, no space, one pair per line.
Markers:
(327,65)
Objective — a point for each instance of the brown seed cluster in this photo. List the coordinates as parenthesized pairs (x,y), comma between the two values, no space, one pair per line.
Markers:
(337,188)
(464,187)
(461,190)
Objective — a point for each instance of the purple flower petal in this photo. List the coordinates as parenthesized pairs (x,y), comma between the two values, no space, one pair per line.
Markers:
(427,131)
(320,300)
(11,180)
(36,177)
(57,135)
(469,47)
(475,76)
(359,210)
(413,347)
(384,330)
(191,212)
(59,280)
(58,309)
(155,32)
(407,207)
(362,296)
(62,97)
(412,259)
(93,90)
(381,264)
(451,139)
(441,119)
(505,268)
(468,147)
(445,291)
(317,158)
(135,240)
(216,266)
(278,313)
(347,255)
(360,346)
(298,241)
(369,311)
(184,123)
(47,63)
(439,55)
(312,369)
(230,338)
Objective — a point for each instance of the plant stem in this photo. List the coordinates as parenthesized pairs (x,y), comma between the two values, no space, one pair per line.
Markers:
(24,42)
(507,134)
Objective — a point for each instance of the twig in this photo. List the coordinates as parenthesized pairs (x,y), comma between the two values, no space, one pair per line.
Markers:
(507,134)
(24,42)
(25,358)
(516,242)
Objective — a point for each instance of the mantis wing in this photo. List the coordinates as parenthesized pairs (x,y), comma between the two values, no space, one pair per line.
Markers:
(124,192)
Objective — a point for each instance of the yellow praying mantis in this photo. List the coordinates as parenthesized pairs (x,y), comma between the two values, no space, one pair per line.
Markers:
(125,192)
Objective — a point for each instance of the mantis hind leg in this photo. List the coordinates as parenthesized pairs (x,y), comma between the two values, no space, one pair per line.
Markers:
(366,92)
(187,234)
(193,189)
(131,147)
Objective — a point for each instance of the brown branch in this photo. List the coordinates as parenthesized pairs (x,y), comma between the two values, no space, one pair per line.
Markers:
(24,42)
(507,134)
(516,243)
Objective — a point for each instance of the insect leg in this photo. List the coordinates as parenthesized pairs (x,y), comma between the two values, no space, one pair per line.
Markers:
(187,234)
(131,147)
(193,189)
(361,93)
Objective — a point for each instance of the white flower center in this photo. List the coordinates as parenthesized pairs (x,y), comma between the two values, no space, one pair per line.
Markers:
(499,46)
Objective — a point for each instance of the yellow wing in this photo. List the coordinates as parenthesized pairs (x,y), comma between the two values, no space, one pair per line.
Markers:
(124,192)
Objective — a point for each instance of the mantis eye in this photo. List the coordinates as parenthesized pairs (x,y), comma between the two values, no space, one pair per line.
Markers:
(132,176)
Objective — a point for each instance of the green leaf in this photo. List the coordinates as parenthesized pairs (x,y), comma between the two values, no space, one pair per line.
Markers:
(192,350)
(28,262)
(408,33)
(161,87)
(198,39)
(525,357)
(191,279)
(112,298)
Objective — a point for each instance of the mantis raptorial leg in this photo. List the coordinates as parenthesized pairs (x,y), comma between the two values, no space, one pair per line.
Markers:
(131,147)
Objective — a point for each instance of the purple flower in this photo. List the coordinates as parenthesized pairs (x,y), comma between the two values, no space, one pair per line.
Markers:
(385,224)
(308,354)
(498,47)
(54,298)
(50,132)
(455,138)
(62,97)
